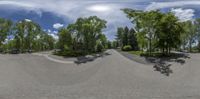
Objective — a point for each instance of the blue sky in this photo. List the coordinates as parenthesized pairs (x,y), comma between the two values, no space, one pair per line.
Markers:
(53,14)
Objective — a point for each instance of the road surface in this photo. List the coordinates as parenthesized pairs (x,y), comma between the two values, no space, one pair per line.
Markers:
(28,76)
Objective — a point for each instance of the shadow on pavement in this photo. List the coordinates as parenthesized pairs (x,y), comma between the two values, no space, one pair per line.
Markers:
(90,58)
(163,68)
(162,64)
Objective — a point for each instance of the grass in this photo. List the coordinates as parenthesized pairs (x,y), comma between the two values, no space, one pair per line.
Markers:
(75,53)
(138,53)
(154,54)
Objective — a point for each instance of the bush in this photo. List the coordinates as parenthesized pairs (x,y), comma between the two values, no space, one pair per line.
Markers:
(69,53)
(99,47)
(139,53)
(127,48)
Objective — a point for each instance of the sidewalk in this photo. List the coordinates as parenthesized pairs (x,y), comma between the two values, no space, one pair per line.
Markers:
(135,58)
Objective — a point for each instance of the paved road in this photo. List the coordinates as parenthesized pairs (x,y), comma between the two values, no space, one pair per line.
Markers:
(110,77)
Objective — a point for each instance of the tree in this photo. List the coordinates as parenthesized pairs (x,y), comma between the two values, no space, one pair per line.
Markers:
(198,32)
(65,39)
(156,30)
(89,30)
(191,31)
(120,32)
(146,22)
(115,44)
(25,34)
(5,27)
(169,33)
(28,35)
(125,36)
(109,43)
(84,35)
(132,40)
(43,42)
(103,40)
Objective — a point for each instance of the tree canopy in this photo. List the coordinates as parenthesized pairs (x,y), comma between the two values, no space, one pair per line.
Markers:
(5,27)
(156,30)
(24,36)
(84,36)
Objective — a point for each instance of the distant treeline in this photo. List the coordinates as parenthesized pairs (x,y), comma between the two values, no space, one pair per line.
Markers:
(23,36)
(80,38)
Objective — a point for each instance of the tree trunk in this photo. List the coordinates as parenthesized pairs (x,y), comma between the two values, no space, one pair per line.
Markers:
(190,45)
(163,51)
(199,46)
(169,51)
(150,47)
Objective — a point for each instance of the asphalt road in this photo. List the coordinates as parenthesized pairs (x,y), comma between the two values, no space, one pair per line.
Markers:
(113,76)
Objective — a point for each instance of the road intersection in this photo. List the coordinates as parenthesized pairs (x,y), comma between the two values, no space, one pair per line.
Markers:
(27,76)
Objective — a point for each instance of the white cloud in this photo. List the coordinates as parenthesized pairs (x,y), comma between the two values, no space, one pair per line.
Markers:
(160,5)
(27,6)
(49,31)
(52,33)
(183,14)
(55,36)
(99,8)
(55,32)
(24,4)
(71,10)
(57,25)
(28,20)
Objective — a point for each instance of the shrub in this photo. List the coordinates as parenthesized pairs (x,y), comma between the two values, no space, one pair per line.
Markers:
(99,47)
(139,53)
(69,53)
(127,48)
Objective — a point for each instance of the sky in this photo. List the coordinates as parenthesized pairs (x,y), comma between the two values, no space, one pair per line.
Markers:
(55,14)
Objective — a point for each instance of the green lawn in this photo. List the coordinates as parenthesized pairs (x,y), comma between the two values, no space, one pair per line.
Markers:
(141,53)
(136,52)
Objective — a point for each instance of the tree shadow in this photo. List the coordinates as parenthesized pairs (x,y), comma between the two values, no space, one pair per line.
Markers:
(90,58)
(163,68)
(162,63)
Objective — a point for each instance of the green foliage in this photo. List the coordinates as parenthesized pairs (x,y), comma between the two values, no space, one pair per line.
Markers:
(156,30)
(168,34)
(99,47)
(138,53)
(109,45)
(27,36)
(127,48)
(5,27)
(146,23)
(84,36)
(68,53)
(65,39)
(127,37)
(115,44)
(120,32)
(132,40)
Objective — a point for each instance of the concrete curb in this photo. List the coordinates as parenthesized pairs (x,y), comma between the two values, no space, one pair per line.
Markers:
(53,59)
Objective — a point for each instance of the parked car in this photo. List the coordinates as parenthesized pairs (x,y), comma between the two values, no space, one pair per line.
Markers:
(28,51)
(15,51)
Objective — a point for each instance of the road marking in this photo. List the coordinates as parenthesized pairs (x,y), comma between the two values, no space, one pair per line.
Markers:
(54,60)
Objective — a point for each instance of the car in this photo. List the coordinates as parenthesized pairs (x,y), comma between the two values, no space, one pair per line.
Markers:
(28,51)
(14,51)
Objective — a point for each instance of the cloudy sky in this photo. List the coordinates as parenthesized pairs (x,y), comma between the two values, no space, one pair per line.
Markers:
(54,14)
